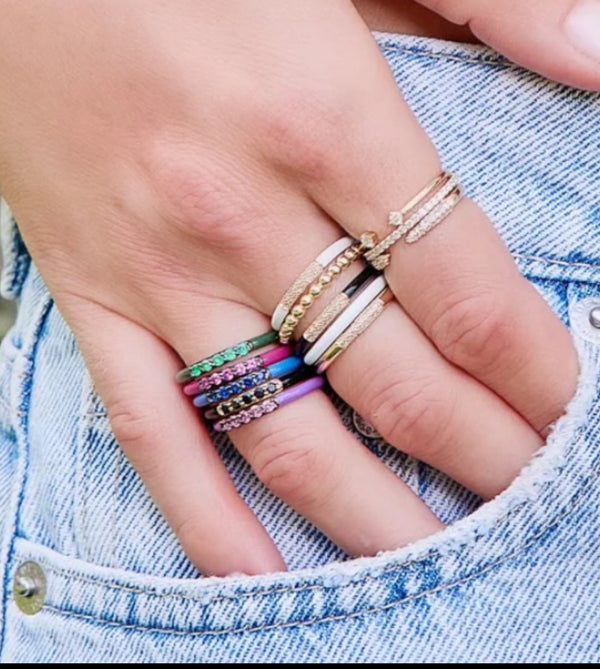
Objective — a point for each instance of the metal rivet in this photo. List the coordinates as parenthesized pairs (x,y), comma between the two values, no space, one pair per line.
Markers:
(29,588)
(595,317)
(364,428)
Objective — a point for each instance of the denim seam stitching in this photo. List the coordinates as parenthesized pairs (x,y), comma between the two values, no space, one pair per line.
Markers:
(416,51)
(14,279)
(149,592)
(552,261)
(116,493)
(82,488)
(14,255)
(24,401)
(20,261)
(265,593)
(8,406)
(346,616)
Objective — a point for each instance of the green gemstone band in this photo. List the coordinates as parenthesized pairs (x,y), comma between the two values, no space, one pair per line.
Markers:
(226,356)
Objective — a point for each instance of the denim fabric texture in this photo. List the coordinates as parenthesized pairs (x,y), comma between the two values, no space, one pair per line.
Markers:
(516,579)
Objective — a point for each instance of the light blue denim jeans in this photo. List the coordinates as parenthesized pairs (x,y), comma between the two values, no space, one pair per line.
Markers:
(516,579)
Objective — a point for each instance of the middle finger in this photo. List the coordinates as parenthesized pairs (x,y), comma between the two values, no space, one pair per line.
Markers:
(459,283)
(303,453)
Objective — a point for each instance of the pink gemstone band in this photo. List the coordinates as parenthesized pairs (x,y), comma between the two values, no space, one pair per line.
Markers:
(227,374)
(246,416)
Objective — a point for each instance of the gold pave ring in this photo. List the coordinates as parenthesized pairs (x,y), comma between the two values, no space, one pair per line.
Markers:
(309,274)
(426,210)
(314,280)
(351,334)
(315,290)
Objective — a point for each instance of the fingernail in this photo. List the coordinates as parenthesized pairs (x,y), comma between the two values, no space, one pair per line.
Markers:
(582,27)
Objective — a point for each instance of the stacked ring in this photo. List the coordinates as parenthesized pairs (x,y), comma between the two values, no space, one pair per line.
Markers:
(345,320)
(249,389)
(362,323)
(291,295)
(333,310)
(248,382)
(237,394)
(229,354)
(216,379)
(257,394)
(313,281)
(268,406)
(426,210)
(315,290)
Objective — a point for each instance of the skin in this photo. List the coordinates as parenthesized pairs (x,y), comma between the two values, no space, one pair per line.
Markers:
(174,166)
(410,18)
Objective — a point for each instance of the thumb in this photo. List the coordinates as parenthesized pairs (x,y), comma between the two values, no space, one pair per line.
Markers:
(560,39)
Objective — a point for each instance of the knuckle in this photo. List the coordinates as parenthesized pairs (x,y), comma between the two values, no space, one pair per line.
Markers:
(303,133)
(139,435)
(289,462)
(129,428)
(476,332)
(202,192)
(410,410)
(133,427)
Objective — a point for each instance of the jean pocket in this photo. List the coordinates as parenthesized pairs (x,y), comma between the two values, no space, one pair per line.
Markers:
(524,556)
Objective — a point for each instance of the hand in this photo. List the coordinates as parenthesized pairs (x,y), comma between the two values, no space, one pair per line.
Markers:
(193,160)
(560,39)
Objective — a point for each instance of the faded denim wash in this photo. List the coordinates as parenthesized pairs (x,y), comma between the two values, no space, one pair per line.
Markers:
(516,579)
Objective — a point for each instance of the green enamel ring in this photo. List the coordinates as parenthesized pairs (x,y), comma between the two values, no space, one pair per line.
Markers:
(226,356)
